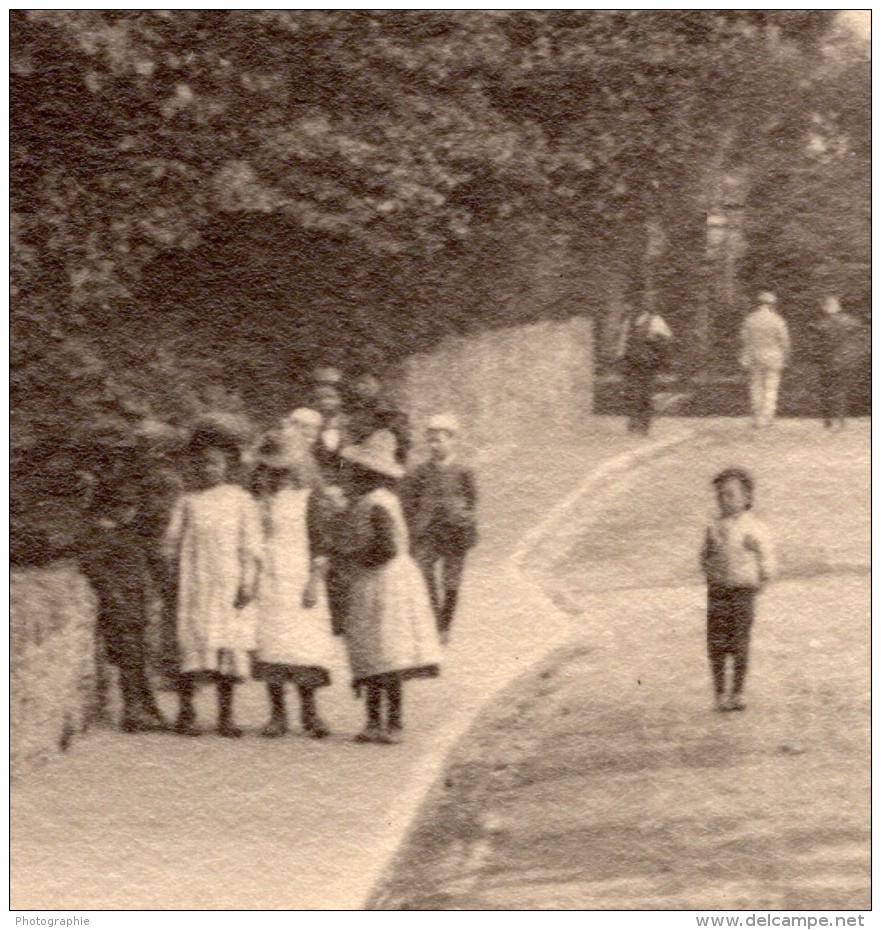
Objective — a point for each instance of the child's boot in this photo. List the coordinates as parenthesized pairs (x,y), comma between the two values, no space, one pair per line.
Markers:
(149,709)
(312,723)
(373,732)
(395,721)
(451,597)
(736,702)
(225,725)
(186,717)
(278,722)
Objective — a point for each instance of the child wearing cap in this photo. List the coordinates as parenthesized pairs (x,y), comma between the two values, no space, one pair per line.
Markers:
(441,504)
(737,558)
(115,560)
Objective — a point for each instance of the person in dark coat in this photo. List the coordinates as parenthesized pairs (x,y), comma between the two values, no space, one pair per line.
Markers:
(368,411)
(440,498)
(116,563)
(837,347)
(646,342)
(161,486)
(333,432)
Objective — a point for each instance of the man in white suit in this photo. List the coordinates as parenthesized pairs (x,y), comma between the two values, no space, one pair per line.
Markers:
(765,345)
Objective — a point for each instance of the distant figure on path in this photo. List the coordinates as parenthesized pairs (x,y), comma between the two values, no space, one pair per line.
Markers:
(389,628)
(441,504)
(645,344)
(214,540)
(837,346)
(764,340)
(738,560)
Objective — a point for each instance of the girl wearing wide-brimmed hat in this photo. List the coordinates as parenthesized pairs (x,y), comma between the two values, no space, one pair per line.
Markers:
(294,640)
(389,629)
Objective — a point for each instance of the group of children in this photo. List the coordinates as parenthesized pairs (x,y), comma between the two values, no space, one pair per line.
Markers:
(325,537)
(269,563)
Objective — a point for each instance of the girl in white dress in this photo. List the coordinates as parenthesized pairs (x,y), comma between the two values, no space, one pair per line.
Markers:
(294,639)
(389,628)
(214,540)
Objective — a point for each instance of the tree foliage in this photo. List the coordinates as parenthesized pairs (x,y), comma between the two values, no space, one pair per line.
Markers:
(385,149)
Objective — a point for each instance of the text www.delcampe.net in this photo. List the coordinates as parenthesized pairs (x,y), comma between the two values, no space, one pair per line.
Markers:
(781,920)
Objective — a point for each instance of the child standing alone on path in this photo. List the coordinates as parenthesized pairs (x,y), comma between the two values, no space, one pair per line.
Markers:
(214,540)
(738,560)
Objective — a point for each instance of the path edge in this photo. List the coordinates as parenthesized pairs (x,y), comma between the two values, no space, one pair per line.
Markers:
(411,801)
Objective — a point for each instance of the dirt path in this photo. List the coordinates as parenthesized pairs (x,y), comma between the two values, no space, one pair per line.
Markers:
(156,821)
(603,780)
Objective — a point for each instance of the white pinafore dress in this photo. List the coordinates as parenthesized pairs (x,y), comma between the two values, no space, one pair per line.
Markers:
(292,640)
(390,626)
(211,535)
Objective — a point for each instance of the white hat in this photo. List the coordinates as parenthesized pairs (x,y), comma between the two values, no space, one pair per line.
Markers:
(303,416)
(326,374)
(376,453)
(832,304)
(767,297)
(444,421)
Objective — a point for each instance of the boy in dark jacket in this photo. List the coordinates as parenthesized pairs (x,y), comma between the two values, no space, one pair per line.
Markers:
(114,560)
(441,505)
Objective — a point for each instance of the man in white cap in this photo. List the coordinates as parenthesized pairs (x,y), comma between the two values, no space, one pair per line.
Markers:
(765,346)
(440,498)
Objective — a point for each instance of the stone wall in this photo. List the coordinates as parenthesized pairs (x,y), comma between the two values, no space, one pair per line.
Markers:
(502,383)
(52,662)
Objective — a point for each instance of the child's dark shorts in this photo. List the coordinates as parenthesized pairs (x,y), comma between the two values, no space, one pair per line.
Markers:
(730,615)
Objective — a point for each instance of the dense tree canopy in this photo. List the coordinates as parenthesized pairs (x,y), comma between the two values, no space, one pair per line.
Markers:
(387,158)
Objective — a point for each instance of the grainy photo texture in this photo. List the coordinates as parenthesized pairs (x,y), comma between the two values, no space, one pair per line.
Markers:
(440,459)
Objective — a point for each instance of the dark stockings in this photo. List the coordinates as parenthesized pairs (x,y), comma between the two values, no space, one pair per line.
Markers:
(186,721)
(137,696)
(448,610)
(308,711)
(393,694)
(276,701)
(741,663)
(374,706)
(278,724)
(717,666)
(740,659)
(186,691)
(225,725)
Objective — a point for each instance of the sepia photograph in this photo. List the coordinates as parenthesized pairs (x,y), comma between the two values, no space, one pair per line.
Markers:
(440,462)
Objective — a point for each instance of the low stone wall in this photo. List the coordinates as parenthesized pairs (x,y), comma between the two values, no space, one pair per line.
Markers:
(503,383)
(52,662)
